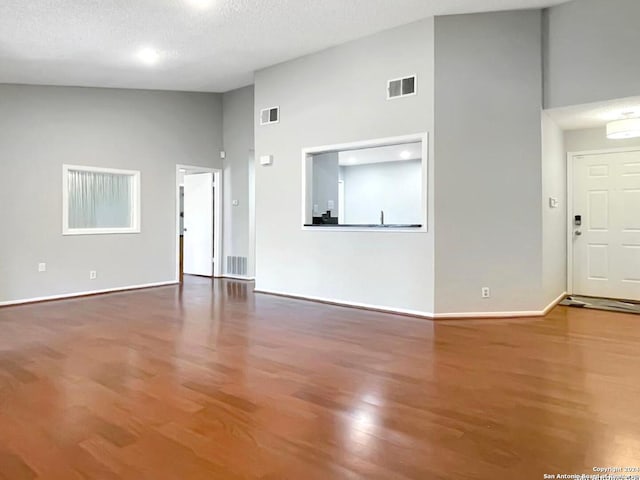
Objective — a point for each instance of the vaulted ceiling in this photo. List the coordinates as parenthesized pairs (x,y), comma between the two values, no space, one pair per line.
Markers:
(197,45)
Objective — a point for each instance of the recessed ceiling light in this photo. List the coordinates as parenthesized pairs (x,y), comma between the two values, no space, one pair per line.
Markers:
(148,55)
(405,154)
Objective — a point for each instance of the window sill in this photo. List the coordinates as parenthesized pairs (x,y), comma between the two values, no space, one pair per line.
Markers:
(100,231)
(414,227)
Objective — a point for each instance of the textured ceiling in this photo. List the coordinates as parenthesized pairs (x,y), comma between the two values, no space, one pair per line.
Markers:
(594,115)
(206,45)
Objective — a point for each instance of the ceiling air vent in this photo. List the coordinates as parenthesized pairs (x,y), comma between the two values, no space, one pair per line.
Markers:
(401,87)
(269,115)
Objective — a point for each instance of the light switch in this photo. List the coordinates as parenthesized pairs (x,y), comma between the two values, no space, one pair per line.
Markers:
(266,159)
(330,205)
(235,203)
(553,202)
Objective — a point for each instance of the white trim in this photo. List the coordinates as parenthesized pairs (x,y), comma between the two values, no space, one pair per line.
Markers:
(217,217)
(415,87)
(238,277)
(571,158)
(342,228)
(376,142)
(346,303)
(135,200)
(419,313)
(86,293)
(512,314)
(270,122)
(251,258)
(569,203)
(554,303)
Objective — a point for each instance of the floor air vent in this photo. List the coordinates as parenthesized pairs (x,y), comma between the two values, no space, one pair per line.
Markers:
(236,265)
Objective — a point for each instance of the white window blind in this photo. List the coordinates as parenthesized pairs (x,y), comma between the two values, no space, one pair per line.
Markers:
(100,200)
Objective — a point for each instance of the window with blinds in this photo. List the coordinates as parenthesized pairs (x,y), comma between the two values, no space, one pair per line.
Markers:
(100,200)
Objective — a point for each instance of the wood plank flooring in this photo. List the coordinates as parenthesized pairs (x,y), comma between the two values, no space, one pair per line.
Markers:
(210,381)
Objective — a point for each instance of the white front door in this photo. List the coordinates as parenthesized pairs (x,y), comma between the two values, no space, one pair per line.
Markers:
(198,224)
(606,246)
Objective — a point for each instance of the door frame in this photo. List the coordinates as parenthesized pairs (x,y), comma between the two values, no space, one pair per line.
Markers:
(571,158)
(217,217)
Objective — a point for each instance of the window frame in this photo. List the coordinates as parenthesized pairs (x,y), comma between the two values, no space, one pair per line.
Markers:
(306,178)
(135,201)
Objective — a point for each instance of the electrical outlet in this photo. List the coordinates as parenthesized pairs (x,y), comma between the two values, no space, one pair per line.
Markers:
(93,275)
(42,267)
(486,293)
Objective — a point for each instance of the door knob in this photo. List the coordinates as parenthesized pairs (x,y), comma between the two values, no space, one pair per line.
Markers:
(578,233)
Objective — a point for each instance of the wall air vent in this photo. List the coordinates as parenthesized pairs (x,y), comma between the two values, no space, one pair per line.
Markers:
(269,115)
(402,87)
(236,265)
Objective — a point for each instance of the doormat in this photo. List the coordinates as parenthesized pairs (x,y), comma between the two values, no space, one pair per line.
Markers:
(601,304)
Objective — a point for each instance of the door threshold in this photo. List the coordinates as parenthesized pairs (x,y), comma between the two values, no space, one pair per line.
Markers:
(608,304)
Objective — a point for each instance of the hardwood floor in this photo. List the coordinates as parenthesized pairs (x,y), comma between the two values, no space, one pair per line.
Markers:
(208,382)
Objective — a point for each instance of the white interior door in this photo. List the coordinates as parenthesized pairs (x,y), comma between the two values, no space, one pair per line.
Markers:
(198,224)
(606,246)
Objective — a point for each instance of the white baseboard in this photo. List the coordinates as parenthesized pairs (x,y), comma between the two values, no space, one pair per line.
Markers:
(555,303)
(83,294)
(417,313)
(238,277)
(344,303)
(366,306)
(512,314)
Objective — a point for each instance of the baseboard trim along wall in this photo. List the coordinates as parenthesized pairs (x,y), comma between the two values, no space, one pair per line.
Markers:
(238,277)
(419,314)
(343,303)
(85,294)
(513,314)
(553,304)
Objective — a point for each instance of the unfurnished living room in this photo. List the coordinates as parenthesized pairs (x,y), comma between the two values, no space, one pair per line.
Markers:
(319,239)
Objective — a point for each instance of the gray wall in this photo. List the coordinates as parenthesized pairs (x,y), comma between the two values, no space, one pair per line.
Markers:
(43,127)
(554,220)
(326,173)
(591,51)
(238,131)
(337,96)
(488,220)
(594,139)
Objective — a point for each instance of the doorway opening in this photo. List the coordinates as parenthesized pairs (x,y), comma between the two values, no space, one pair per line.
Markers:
(198,221)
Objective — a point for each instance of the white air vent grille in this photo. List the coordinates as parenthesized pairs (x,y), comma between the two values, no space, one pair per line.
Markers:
(269,115)
(402,87)
(236,265)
